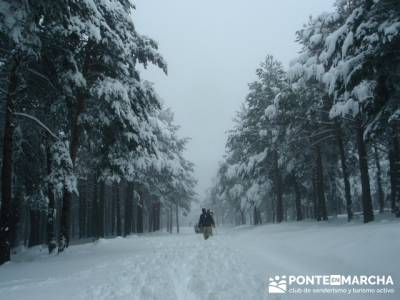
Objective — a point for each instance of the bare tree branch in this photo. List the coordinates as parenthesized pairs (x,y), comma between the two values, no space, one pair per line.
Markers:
(37,121)
(44,77)
(323,139)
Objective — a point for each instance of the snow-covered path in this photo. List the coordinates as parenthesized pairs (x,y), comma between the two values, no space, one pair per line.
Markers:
(234,264)
(178,267)
(157,266)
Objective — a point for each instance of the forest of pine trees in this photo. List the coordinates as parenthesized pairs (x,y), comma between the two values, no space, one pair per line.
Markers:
(322,138)
(88,150)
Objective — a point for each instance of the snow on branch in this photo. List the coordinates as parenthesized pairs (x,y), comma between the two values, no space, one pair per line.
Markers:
(37,121)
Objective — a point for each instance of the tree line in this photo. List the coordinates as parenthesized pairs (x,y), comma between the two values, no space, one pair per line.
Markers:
(88,149)
(322,138)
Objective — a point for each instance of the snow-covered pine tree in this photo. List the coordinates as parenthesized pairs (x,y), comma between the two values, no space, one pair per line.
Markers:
(306,73)
(102,86)
(20,45)
(362,77)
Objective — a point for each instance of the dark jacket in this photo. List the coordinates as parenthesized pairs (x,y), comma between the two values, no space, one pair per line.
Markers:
(202,219)
(206,220)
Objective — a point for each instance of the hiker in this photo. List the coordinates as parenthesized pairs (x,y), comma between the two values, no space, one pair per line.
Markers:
(202,220)
(210,214)
(206,223)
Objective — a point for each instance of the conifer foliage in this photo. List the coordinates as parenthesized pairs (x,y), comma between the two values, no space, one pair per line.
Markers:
(88,149)
(321,138)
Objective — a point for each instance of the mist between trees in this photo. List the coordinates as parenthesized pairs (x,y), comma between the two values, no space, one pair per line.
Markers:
(322,138)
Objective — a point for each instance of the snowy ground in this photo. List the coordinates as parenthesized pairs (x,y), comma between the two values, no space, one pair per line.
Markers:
(234,264)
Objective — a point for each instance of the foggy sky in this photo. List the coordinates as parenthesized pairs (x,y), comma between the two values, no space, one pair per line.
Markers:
(212,48)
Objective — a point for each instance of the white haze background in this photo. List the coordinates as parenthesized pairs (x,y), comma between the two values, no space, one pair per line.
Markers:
(212,48)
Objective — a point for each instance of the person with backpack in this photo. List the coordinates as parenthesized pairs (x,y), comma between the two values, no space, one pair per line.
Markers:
(198,227)
(202,219)
(206,223)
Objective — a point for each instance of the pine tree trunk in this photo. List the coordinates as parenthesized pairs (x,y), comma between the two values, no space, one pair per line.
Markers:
(128,209)
(315,194)
(154,209)
(150,214)
(394,165)
(43,227)
(242,217)
(118,209)
(113,212)
(51,211)
(82,209)
(25,219)
(333,200)
(255,215)
(157,215)
(16,216)
(95,208)
(34,237)
(381,195)
(363,163)
(279,197)
(65,218)
(393,180)
(345,172)
(170,219)
(177,216)
(321,211)
(119,217)
(101,213)
(278,190)
(74,146)
(299,212)
(154,216)
(273,210)
(6,171)
(167,218)
(134,208)
(139,214)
